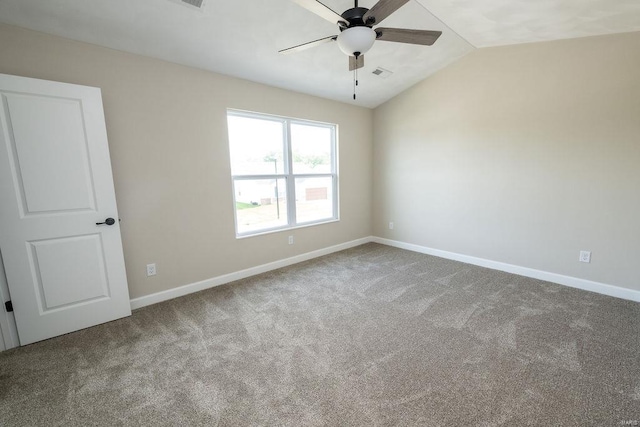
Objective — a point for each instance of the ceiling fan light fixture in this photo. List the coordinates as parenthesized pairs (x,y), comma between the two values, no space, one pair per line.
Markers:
(356,39)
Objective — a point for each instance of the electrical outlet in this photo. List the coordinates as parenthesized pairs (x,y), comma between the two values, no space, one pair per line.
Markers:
(151,269)
(585,256)
(391,226)
(291,240)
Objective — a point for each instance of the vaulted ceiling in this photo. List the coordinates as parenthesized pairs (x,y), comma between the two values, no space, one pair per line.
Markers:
(242,38)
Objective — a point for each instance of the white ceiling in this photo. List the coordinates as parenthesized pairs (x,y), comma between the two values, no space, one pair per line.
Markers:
(500,22)
(242,38)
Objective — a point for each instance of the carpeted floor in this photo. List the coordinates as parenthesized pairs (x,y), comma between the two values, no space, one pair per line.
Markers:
(369,336)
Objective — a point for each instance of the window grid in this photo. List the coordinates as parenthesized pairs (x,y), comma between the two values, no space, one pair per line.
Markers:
(288,173)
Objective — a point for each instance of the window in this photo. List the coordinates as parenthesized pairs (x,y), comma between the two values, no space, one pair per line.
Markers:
(283,171)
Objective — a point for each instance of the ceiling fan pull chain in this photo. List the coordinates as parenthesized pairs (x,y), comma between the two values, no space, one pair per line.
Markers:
(354,88)
(354,83)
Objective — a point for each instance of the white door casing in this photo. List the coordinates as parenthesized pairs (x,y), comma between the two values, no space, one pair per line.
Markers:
(64,272)
(7,321)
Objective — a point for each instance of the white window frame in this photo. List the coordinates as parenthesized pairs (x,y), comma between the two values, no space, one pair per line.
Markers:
(288,175)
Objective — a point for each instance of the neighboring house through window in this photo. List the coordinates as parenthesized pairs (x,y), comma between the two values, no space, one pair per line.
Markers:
(283,170)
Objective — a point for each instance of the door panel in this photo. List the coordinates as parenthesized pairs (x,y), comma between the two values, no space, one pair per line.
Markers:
(64,271)
(44,183)
(68,271)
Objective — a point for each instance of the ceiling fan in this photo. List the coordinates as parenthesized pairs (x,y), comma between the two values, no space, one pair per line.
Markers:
(356,29)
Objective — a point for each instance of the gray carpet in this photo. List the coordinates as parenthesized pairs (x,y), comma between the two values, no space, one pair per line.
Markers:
(365,337)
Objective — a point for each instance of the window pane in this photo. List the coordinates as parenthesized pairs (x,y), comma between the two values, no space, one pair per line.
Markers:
(314,199)
(311,149)
(256,146)
(260,204)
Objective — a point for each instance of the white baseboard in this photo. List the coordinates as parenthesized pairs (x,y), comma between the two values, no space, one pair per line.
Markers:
(221,280)
(574,282)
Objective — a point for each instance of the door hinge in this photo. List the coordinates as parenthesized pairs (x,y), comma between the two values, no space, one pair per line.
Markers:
(8,306)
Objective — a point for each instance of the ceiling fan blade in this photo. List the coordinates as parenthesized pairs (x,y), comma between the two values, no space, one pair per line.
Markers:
(424,37)
(307,45)
(355,63)
(381,10)
(321,10)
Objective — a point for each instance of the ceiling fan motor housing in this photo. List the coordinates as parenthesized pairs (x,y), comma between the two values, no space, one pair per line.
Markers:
(354,17)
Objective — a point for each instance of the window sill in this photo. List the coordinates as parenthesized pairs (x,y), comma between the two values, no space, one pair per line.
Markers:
(280,230)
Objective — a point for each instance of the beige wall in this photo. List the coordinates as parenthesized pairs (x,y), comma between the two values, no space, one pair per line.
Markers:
(167,135)
(522,154)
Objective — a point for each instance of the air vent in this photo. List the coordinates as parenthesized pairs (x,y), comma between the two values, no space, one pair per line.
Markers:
(381,72)
(192,4)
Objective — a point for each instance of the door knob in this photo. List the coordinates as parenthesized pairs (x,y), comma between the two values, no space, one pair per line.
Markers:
(108,221)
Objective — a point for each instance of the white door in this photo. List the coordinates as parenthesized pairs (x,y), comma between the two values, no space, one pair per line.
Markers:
(65,272)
